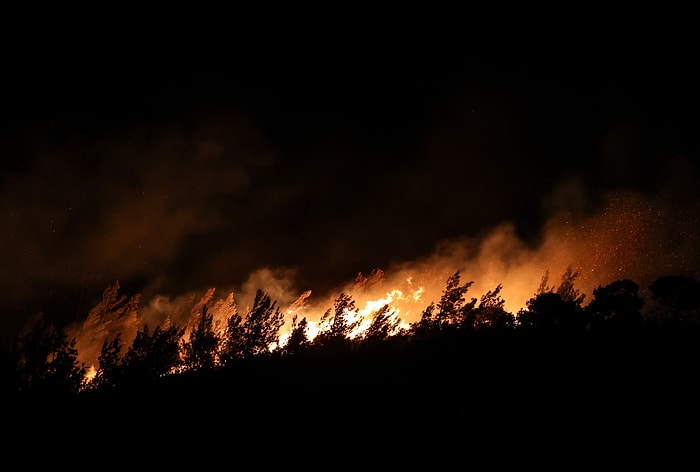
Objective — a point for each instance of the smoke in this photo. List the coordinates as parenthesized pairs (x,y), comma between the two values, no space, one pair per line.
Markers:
(631,235)
(622,234)
(82,213)
(122,314)
(142,216)
(312,188)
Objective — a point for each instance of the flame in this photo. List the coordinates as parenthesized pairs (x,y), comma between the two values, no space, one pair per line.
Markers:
(90,374)
(633,237)
(395,299)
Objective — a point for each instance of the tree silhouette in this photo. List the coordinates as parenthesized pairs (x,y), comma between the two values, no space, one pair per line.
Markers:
(383,325)
(200,351)
(344,319)
(232,341)
(548,312)
(543,287)
(114,313)
(551,310)
(261,326)
(109,370)
(340,322)
(298,340)
(453,308)
(451,311)
(679,296)
(567,290)
(46,360)
(255,334)
(151,356)
(490,313)
(616,306)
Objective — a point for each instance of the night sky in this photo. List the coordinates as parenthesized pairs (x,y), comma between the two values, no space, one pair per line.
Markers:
(174,164)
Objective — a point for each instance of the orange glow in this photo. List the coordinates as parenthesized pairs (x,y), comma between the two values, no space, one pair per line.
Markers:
(632,237)
(90,374)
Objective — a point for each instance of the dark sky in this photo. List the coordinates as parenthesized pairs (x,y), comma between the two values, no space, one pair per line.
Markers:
(175,162)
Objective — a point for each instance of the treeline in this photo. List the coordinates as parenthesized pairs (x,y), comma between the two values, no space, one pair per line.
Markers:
(43,360)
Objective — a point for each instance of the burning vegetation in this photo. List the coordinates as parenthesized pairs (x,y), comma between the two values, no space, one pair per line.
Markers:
(212,334)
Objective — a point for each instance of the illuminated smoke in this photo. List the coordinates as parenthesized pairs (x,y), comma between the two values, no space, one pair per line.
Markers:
(633,236)
(119,313)
(84,214)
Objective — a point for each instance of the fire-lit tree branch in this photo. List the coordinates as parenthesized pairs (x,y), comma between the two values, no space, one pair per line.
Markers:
(152,356)
(256,334)
(47,360)
(200,351)
(452,311)
(298,339)
(339,323)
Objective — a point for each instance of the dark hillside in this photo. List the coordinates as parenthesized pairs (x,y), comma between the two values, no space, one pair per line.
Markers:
(578,395)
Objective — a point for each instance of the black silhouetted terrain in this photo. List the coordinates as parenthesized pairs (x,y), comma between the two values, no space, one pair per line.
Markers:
(564,385)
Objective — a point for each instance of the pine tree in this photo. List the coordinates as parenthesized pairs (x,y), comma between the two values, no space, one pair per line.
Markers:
(261,326)
(566,288)
(491,312)
(153,355)
(109,370)
(200,351)
(232,340)
(298,340)
(339,322)
(616,306)
(47,360)
(384,324)
(451,311)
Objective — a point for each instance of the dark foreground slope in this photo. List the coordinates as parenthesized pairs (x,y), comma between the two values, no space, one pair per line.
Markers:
(631,399)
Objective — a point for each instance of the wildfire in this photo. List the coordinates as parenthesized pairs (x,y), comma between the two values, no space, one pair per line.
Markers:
(627,240)
(90,374)
(395,300)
